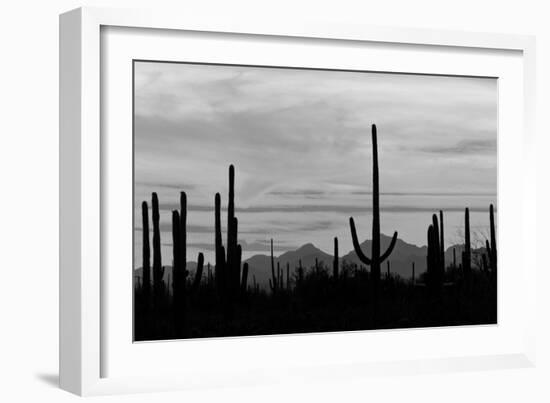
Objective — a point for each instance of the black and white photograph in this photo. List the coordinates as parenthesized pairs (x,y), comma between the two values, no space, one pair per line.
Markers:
(281,200)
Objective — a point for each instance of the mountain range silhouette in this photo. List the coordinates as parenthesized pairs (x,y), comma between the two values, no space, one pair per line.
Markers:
(402,257)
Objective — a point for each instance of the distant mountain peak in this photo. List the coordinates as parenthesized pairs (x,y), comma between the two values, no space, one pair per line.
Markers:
(307,247)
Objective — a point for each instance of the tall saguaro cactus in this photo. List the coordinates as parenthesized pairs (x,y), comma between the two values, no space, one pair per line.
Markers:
(435,269)
(441,241)
(376,257)
(158,270)
(467,254)
(183,228)
(335,260)
(492,246)
(179,274)
(146,266)
(179,269)
(233,266)
(219,250)
(228,260)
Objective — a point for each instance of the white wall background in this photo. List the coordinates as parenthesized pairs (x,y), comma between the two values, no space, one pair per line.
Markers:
(29,197)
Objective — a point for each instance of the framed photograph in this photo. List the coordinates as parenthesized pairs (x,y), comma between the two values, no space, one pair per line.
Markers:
(238,196)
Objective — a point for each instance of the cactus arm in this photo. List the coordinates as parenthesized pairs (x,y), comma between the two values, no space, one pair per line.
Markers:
(467,265)
(157,257)
(390,248)
(231,233)
(146,250)
(357,245)
(272,268)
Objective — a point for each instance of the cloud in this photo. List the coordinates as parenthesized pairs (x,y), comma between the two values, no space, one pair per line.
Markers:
(170,186)
(465,147)
(258,246)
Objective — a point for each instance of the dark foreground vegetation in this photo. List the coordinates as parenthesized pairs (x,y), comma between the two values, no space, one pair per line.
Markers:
(225,300)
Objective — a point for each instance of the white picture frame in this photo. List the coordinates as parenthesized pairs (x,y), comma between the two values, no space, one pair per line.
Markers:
(84,341)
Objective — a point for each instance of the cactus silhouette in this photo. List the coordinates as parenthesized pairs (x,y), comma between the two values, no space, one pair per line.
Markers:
(492,247)
(467,254)
(442,241)
(158,270)
(376,257)
(179,275)
(183,229)
(233,258)
(220,253)
(335,260)
(179,269)
(435,265)
(146,266)
(228,259)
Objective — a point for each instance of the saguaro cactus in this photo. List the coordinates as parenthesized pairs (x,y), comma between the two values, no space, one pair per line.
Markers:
(183,228)
(146,266)
(179,275)
(492,247)
(335,260)
(435,258)
(441,241)
(228,265)
(376,257)
(233,259)
(467,254)
(179,269)
(219,270)
(158,270)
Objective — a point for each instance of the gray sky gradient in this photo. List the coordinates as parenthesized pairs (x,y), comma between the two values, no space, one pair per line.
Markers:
(300,142)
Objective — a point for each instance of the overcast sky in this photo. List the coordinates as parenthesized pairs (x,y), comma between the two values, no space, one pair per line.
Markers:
(301,145)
